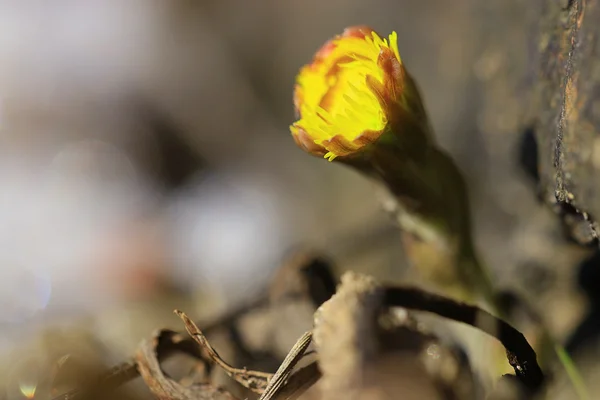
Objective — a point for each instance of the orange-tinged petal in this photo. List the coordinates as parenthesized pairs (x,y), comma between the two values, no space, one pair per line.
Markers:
(342,99)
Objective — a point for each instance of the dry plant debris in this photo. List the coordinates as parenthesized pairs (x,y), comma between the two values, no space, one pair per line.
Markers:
(362,350)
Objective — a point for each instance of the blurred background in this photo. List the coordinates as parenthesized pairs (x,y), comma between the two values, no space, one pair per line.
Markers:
(146,161)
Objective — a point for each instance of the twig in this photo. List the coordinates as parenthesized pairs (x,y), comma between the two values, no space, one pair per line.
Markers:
(254,380)
(520,354)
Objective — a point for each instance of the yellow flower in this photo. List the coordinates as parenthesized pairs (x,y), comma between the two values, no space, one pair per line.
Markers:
(347,96)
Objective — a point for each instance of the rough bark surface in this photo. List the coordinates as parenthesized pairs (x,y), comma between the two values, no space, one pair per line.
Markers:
(569,110)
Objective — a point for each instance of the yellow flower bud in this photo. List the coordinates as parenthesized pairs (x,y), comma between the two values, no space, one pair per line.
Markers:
(350,94)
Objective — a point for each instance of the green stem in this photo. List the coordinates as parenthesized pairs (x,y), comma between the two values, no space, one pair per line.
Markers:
(572,372)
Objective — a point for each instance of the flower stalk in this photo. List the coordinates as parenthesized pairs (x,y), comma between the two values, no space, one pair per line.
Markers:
(357,104)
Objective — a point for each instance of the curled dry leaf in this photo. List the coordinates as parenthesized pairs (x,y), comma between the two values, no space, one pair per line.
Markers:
(128,370)
(162,386)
